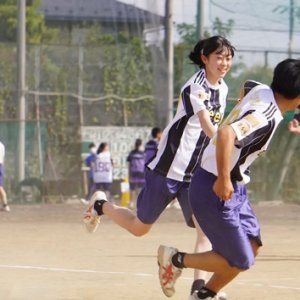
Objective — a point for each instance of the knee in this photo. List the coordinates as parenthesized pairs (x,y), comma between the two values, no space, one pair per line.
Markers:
(140,230)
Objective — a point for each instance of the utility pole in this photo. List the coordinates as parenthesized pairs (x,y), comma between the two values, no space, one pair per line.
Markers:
(200,20)
(170,59)
(21,50)
(291,27)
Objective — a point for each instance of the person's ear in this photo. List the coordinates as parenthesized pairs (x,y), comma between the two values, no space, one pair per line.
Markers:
(204,59)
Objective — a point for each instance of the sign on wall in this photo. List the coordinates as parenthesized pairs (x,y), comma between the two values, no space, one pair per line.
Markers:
(121,141)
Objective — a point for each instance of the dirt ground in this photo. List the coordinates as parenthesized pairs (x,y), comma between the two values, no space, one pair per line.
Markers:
(46,254)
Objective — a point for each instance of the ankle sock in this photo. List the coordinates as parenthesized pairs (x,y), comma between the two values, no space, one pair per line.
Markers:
(197,285)
(177,259)
(204,292)
(98,206)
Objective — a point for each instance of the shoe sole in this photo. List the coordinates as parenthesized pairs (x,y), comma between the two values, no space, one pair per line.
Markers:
(161,258)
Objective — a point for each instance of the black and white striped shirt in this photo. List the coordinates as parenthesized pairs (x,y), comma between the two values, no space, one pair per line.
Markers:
(183,140)
(254,121)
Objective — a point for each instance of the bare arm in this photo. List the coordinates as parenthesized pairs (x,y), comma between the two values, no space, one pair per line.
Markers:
(225,142)
(206,123)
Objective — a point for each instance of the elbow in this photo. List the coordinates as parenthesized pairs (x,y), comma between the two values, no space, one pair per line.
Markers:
(226,133)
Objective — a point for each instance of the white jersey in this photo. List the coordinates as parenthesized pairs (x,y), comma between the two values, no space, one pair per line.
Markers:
(183,140)
(103,168)
(2,153)
(254,121)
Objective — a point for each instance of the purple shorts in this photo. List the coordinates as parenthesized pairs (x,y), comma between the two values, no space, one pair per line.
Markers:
(229,225)
(1,175)
(157,193)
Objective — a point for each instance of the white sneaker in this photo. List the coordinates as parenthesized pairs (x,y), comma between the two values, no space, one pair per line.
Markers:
(84,201)
(168,273)
(91,218)
(6,208)
(220,296)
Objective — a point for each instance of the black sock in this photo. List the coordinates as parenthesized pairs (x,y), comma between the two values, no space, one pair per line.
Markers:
(98,206)
(197,285)
(177,260)
(205,292)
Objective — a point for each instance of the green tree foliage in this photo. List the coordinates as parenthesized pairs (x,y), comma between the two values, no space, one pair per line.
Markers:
(36,29)
(126,73)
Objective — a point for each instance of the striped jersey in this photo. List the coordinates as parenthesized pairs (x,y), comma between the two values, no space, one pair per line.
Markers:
(254,120)
(183,140)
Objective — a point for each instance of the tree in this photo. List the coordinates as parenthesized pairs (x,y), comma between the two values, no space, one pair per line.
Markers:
(126,73)
(36,29)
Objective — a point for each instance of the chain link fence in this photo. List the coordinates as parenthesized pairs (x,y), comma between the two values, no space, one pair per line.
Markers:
(70,87)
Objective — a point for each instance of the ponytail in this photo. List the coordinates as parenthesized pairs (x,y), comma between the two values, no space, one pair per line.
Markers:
(208,46)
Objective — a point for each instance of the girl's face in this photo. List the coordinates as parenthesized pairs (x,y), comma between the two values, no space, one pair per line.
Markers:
(106,148)
(217,64)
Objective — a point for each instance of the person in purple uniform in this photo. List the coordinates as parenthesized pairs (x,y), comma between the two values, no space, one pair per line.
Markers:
(151,145)
(217,191)
(136,170)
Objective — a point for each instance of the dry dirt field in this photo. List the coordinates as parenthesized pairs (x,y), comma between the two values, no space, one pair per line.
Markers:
(46,254)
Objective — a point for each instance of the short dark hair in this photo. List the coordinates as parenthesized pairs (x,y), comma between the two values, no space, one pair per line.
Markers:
(138,143)
(91,145)
(208,46)
(155,131)
(286,78)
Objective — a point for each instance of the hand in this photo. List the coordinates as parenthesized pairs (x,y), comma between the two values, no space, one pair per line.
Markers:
(294,127)
(223,188)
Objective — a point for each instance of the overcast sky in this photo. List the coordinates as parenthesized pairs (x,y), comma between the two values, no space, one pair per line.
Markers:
(259,24)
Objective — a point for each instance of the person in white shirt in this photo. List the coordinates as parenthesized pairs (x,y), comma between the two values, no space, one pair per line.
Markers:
(217,192)
(182,143)
(3,196)
(102,168)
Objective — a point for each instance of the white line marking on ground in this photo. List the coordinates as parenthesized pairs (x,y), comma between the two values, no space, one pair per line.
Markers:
(55,269)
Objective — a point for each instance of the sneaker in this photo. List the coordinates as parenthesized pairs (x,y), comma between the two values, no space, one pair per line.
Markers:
(91,218)
(84,201)
(6,208)
(168,273)
(220,296)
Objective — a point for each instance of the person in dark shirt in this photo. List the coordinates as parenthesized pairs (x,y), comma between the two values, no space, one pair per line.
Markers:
(136,161)
(151,145)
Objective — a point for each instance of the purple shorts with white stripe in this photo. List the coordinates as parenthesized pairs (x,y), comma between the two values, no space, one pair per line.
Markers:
(229,225)
(157,193)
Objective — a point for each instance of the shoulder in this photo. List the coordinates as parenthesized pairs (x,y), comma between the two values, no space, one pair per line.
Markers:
(261,100)
(197,82)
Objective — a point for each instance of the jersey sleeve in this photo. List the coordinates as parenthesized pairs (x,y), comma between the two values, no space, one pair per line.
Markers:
(249,85)
(253,124)
(193,98)
(297,114)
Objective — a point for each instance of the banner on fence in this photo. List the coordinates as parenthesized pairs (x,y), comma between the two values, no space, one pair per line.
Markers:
(121,141)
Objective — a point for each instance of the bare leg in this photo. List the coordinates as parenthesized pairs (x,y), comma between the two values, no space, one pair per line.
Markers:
(202,245)
(125,218)
(3,196)
(213,262)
